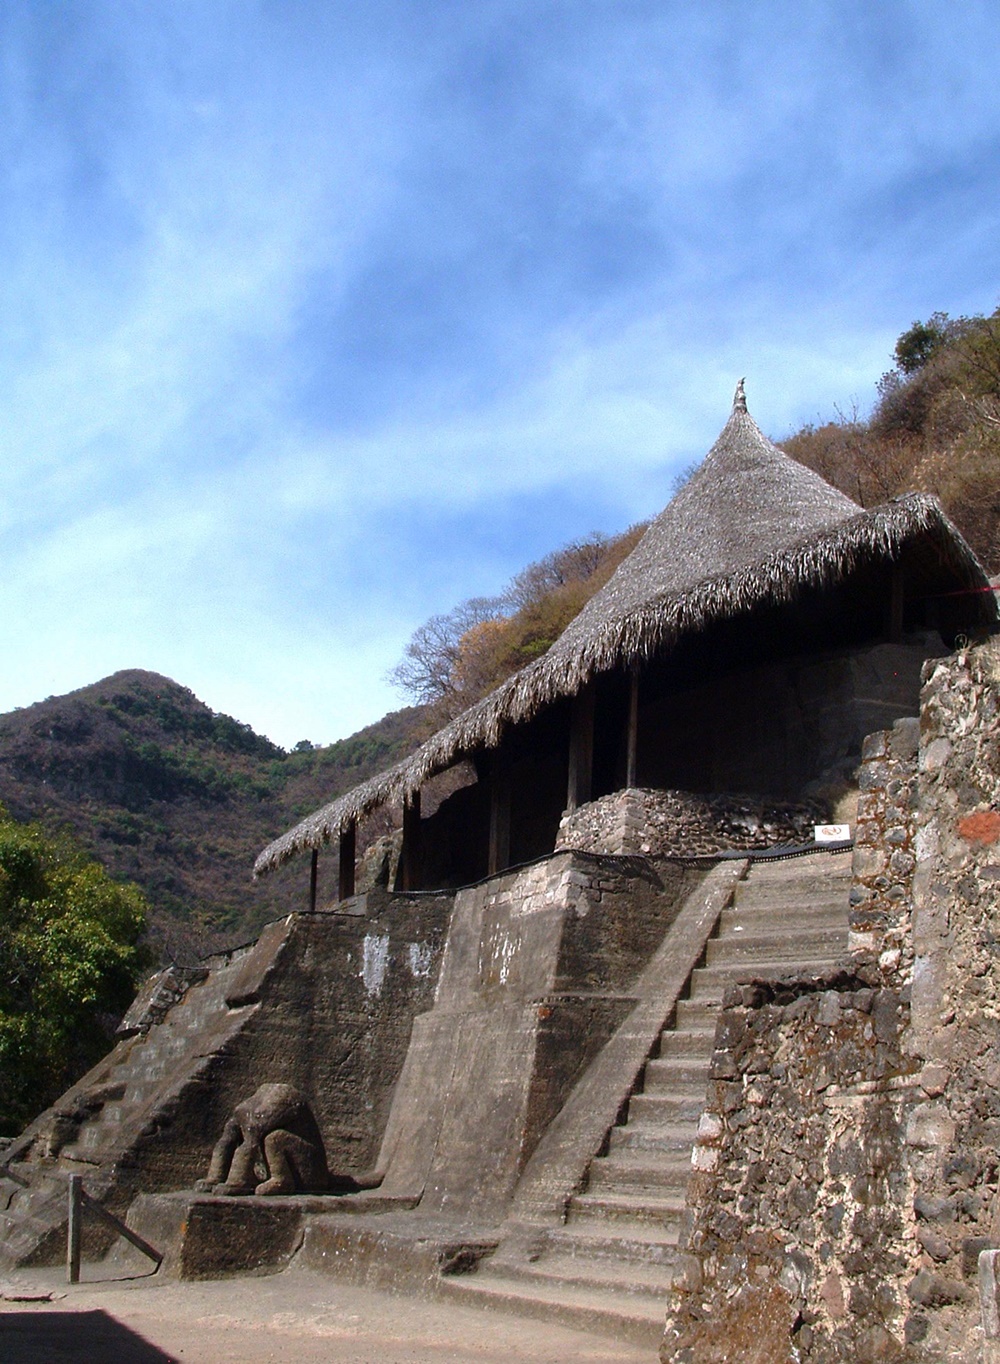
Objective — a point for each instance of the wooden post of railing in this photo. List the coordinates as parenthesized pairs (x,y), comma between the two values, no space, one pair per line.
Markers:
(73,1228)
(313,879)
(79,1199)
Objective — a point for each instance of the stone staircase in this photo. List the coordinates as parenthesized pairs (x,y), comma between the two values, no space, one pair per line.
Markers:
(609,1265)
(112,1110)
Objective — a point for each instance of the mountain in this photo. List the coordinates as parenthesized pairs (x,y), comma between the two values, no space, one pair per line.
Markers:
(180,799)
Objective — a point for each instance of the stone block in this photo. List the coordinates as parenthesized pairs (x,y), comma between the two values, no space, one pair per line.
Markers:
(723,1067)
(935,755)
(930,1128)
(934,1080)
(904,738)
(704,1159)
(875,745)
(929,1289)
(989,1294)
(710,1128)
(259,961)
(868,861)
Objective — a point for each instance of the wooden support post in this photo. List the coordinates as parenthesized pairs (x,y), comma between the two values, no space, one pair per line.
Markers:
(897,602)
(79,1199)
(632,729)
(73,1228)
(348,854)
(313,881)
(410,877)
(581,748)
(499,854)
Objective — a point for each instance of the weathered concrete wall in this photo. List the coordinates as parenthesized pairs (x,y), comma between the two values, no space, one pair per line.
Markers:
(535,977)
(335,1000)
(847,1168)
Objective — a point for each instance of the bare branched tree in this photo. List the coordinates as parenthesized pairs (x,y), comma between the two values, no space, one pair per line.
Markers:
(427,667)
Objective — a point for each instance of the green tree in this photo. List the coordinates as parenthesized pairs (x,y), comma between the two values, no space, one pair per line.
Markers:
(918,343)
(70,957)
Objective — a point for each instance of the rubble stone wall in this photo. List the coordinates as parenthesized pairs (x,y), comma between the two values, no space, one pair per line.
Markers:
(801,1243)
(658,823)
(954,1032)
(884,859)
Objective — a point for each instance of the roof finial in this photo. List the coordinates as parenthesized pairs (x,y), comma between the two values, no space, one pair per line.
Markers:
(740,398)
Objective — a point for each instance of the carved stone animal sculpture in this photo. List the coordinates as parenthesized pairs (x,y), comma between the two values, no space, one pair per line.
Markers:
(274,1128)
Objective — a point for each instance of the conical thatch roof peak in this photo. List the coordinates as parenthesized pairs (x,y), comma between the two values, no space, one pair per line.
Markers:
(746,500)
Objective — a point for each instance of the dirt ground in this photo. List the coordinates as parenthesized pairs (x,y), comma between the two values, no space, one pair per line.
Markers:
(297,1316)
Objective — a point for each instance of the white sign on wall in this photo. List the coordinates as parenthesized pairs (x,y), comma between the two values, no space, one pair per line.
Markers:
(832,833)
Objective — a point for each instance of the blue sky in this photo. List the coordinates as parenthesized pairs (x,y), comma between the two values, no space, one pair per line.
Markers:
(318,317)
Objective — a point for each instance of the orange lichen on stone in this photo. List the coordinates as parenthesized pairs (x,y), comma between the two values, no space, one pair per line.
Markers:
(982,827)
(755,1327)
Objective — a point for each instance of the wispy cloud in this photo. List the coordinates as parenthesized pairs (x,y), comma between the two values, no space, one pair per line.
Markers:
(316,317)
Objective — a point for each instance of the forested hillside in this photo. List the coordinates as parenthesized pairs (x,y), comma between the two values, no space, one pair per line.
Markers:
(934,427)
(179,799)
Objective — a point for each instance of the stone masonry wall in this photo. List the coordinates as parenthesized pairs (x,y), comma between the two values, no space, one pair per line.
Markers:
(660,823)
(954,1033)
(800,1245)
(884,861)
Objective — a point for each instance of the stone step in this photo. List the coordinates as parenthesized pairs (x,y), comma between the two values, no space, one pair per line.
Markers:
(710,982)
(795,911)
(799,944)
(777,892)
(688,1042)
(660,1109)
(91,1138)
(639,1136)
(823,866)
(694,1014)
(628,1170)
(633,1278)
(639,1320)
(675,1072)
(653,1207)
(597,1238)
(779,895)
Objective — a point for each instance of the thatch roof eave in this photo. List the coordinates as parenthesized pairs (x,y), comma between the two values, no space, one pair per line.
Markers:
(817,560)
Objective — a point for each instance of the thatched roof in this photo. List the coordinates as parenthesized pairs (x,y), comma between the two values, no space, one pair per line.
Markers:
(750,527)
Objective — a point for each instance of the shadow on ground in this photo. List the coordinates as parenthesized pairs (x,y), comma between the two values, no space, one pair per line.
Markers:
(55,1337)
